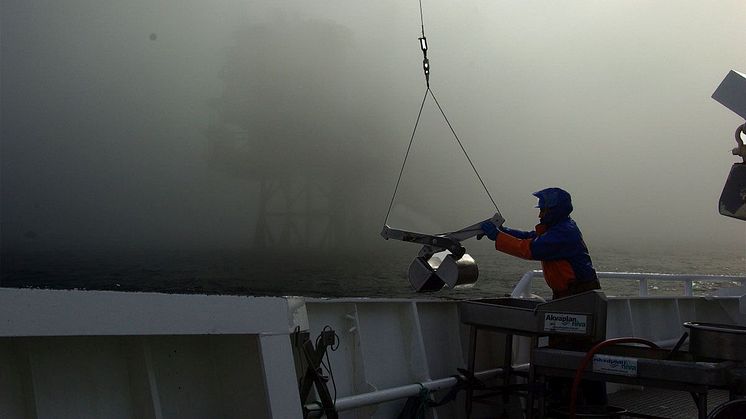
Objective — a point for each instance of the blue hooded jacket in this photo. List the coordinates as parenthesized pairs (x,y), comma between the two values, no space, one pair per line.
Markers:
(557,242)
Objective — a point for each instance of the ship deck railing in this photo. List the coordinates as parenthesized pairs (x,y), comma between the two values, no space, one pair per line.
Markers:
(523,288)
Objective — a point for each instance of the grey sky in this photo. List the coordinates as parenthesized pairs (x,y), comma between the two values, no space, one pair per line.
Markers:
(104,131)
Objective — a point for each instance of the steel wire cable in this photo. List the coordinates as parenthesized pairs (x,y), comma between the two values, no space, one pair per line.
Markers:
(464,150)
(414,131)
(406,156)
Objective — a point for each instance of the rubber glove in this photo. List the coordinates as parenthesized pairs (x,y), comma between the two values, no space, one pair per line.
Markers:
(490,230)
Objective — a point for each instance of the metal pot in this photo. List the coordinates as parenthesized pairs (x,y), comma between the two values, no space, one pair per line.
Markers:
(717,341)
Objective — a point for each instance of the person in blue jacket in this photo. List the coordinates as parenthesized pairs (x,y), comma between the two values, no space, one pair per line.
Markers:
(568,270)
(556,241)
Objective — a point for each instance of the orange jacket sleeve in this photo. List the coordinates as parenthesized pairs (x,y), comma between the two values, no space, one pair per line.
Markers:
(515,247)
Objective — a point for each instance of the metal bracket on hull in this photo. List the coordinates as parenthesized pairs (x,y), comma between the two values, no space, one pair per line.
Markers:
(314,376)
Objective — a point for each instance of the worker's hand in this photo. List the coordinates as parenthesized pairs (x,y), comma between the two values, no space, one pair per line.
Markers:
(490,230)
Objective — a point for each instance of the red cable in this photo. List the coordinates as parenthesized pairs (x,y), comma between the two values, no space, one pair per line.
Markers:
(589,356)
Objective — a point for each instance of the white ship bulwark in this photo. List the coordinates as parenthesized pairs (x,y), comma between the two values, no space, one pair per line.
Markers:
(96,354)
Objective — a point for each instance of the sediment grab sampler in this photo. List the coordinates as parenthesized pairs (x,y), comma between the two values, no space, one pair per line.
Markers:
(442,261)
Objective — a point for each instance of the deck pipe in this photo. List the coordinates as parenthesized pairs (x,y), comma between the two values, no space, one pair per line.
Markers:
(395,393)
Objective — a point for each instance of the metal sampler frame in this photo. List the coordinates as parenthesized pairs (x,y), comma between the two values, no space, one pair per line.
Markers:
(427,272)
(430,273)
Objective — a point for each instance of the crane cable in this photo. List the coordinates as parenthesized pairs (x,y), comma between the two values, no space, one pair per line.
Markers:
(426,70)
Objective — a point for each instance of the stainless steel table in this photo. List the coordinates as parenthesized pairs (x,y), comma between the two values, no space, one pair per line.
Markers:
(578,315)
(643,366)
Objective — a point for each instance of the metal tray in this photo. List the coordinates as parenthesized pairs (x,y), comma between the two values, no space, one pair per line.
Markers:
(648,364)
(578,315)
(717,341)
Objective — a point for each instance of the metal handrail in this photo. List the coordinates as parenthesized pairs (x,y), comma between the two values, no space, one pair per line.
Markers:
(523,288)
(401,392)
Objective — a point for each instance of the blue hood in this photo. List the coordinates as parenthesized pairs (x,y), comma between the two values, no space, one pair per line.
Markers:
(557,201)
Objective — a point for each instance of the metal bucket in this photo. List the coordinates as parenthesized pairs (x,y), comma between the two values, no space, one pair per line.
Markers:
(717,341)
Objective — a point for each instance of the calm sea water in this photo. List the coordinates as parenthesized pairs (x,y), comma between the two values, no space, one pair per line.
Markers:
(328,274)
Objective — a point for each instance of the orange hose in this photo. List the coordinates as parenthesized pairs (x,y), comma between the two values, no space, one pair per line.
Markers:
(589,356)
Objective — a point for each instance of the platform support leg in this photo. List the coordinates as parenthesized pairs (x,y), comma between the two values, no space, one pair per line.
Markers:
(700,399)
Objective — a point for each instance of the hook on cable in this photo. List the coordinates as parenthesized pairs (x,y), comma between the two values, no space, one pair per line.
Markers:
(425,61)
